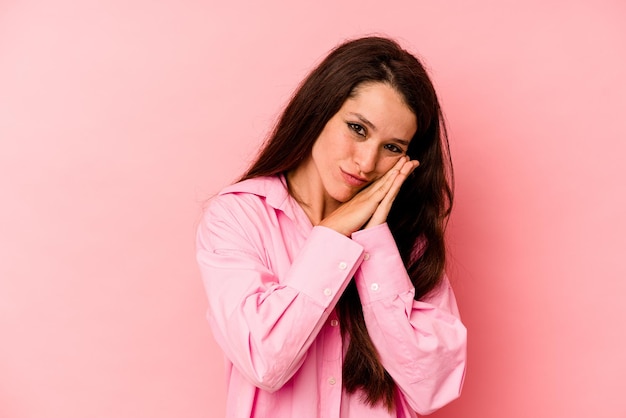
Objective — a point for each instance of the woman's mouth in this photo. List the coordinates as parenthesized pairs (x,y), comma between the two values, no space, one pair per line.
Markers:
(353,180)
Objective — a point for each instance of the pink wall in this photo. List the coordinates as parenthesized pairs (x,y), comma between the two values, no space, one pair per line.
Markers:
(117,118)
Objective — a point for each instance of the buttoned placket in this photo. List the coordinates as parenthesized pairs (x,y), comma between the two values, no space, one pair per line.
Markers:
(330,378)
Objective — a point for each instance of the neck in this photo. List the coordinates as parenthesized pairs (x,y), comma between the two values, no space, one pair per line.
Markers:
(310,194)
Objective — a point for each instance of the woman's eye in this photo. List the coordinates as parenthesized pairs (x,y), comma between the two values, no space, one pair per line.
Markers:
(394,148)
(358,129)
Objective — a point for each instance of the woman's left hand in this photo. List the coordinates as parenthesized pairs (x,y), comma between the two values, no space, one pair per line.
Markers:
(382,211)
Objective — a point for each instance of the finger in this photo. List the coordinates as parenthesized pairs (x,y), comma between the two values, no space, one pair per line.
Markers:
(382,211)
(393,170)
(409,166)
(405,170)
(404,173)
(379,188)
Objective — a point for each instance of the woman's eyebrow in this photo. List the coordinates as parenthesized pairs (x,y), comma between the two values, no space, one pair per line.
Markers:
(364,120)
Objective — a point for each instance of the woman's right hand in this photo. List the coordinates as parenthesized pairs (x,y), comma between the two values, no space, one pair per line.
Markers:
(371,205)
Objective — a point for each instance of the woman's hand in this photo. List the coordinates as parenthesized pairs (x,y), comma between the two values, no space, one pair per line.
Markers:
(372,204)
(380,215)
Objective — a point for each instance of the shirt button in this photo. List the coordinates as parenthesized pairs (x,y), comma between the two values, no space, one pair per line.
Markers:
(332,381)
(327,291)
(343,265)
(334,322)
(374,287)
(366,256)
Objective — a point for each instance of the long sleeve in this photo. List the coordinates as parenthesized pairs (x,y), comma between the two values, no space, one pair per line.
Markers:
(422,344)
(265,316)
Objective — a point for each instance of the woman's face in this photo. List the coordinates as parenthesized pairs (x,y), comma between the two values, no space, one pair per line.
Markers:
(360,143)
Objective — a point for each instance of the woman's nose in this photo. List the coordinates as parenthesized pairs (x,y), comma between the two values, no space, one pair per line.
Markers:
(366,157)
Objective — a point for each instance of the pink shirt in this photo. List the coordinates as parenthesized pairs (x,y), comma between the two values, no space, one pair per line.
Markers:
(273,280)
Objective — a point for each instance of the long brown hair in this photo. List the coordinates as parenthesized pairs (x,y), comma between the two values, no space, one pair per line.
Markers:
(418,216)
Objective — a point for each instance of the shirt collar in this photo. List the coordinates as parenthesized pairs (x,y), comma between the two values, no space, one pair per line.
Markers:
(274,190)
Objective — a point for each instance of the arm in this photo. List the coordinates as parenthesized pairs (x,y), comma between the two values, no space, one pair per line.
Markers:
(265,323)
(422,344)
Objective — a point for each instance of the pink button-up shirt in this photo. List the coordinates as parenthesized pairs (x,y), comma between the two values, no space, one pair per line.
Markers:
(273,281)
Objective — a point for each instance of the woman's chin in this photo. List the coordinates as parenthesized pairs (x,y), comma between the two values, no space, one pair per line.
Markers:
(344,196)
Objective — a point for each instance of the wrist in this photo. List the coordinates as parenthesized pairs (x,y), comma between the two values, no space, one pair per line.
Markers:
(336,227)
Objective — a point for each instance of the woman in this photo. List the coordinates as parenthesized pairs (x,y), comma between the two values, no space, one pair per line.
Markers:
(324,265)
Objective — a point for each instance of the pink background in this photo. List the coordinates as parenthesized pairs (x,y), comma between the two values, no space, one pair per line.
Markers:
(118,118)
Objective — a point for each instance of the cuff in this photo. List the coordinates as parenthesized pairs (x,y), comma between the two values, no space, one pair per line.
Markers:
(325,265)
(382,273)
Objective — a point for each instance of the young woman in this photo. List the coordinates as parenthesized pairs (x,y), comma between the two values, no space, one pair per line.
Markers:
(324,265)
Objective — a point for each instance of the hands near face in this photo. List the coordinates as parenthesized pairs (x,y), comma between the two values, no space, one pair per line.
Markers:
(371,205)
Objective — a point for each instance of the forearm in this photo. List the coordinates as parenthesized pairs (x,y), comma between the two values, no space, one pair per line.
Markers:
(265,321)
(421,344)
